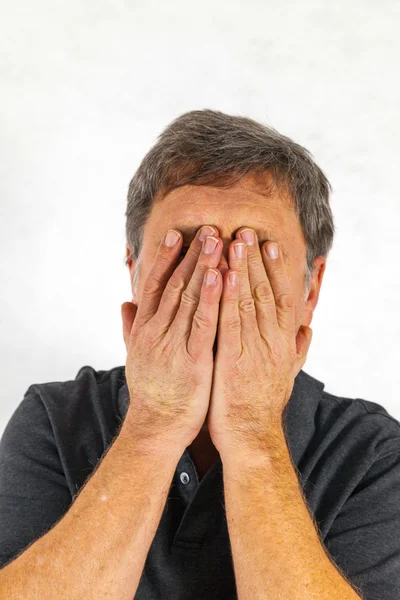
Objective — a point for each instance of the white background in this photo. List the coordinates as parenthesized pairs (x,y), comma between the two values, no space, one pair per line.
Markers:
(85,89)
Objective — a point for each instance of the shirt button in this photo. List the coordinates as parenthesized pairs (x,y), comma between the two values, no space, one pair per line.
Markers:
(185,478)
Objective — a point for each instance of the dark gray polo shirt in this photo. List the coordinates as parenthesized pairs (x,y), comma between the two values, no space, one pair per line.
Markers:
(346,452)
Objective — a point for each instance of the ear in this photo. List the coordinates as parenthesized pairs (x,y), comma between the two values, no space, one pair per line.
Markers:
(131,264)
(128,253)
(313,295)
(128,314)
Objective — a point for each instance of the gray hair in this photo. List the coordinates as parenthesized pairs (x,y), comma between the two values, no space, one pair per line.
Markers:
(207,147)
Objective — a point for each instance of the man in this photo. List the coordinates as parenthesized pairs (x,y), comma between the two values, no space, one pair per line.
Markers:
(211,465)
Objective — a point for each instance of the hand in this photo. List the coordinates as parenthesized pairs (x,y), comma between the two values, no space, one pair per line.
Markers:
(258,355)
(169,341)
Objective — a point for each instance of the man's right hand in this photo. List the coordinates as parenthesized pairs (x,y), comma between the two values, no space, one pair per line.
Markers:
(169,340)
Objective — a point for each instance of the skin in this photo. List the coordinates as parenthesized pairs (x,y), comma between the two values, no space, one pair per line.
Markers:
(246,204)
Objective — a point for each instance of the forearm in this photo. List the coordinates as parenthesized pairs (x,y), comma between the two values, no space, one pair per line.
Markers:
(276,549)
(99,547)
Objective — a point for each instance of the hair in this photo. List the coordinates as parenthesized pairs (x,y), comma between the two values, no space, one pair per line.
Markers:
(208,147)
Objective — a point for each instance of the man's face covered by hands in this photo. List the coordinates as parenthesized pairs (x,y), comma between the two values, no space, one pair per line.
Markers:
(247,204)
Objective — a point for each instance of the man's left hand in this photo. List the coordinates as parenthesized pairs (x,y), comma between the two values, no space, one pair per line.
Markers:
(259,354)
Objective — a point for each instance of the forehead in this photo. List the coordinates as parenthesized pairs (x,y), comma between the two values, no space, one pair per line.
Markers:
(187,208)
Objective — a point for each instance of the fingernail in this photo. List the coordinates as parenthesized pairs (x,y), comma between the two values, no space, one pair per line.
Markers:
(211,277)
(272,250)
(233,278)
(205,231)
(247,236)
(240,249)
(210,245)
(171,238)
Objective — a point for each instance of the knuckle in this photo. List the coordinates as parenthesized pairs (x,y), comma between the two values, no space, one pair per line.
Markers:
(263,292)
(285,300)
(276,350)
(170,346)
(189,261)
(189,298)
(150,336)
(253,259)
(201,320)
(232,324)
(151,286)
(163,261)
(193,253)
(175,286)
(246,304)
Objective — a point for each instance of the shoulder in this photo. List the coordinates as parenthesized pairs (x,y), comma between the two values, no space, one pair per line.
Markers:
(90,392)
(323,427)
(360,423)
(82,416)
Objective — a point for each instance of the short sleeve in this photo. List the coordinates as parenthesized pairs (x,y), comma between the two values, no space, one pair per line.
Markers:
(364,540)
(34,493)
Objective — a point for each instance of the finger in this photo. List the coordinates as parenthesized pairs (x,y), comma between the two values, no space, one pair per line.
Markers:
(188,311)
(203,326)
(282,290)
(159,296)
(246,304)
(229,325)
(260,286)
(158,277)
(172,295)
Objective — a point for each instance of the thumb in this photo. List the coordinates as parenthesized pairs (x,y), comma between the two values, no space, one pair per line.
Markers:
(128,314)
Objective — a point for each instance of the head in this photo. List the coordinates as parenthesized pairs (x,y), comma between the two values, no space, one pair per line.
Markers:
(210,168)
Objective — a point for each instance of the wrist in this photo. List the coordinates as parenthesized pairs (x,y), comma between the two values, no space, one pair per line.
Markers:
(156,446)
(256,452)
